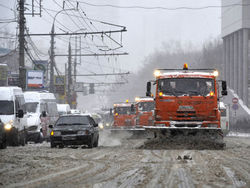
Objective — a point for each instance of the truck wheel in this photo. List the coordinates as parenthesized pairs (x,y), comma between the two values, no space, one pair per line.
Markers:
(23,139)
(15,138)
(4,144)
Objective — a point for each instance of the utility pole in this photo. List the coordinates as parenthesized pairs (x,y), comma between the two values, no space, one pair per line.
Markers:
(75,62)
(52,60)
(22,72)
(69,92)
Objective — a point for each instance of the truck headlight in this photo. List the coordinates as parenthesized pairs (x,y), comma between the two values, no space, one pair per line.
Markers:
(8,126)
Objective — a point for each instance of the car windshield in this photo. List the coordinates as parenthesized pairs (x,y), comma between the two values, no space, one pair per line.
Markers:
(6,107)
(186,86)
(125,110)
(146,106)
(31,107)
(72,120)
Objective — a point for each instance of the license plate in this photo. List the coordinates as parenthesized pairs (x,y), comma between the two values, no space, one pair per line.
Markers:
(68,137)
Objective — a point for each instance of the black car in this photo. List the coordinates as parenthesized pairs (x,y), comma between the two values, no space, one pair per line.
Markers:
(3,137)
(74,130)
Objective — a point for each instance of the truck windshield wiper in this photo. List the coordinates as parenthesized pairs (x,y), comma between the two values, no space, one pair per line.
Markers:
(193,92)
(78,124)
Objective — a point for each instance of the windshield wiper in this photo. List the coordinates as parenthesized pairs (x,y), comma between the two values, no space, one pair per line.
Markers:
(78,124)
(193,92)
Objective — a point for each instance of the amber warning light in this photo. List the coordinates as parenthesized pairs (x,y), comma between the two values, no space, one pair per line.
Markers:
(185,66)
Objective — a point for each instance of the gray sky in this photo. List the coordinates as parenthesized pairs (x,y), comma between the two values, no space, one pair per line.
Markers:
(147,29)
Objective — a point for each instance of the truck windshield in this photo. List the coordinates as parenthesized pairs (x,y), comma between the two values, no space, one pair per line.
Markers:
(124,110)
(72,120)
(186,86)
(6,107)
(31,107)
(146,106)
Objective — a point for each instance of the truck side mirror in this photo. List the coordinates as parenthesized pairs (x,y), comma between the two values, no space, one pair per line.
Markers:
(20,113)
(132,108)
(44,114)
(148,93)
(224,88)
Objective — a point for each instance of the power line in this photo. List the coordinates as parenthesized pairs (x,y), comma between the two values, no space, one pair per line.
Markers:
(95,54)
(159,7)
(76,33)
(106,74)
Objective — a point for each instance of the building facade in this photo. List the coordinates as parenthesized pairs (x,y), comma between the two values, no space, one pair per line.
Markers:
(236,46)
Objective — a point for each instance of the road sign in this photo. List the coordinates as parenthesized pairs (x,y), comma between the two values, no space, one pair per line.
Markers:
(235,100)
(235,106)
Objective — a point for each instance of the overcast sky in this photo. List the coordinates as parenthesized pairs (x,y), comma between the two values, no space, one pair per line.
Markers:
(147,30)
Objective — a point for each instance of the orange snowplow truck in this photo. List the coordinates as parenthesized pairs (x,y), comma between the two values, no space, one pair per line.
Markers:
(144,111)
(186,102)
(124,114)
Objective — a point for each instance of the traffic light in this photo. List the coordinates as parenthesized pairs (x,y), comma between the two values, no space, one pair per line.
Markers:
(91,88)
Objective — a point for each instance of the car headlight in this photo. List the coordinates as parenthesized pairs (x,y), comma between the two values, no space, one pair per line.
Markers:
(81,132)
(57,133)
(8,126)
(101,126)
(107,124)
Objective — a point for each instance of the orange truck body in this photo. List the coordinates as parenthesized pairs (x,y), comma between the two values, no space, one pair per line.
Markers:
(145,111)
(124,115)
(186,108)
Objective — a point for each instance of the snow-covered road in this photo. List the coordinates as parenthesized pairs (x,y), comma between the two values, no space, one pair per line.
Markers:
(126,165)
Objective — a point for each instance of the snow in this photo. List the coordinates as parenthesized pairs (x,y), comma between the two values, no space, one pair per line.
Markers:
(247,110)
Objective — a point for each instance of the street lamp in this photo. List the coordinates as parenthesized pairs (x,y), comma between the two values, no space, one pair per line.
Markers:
(52,54)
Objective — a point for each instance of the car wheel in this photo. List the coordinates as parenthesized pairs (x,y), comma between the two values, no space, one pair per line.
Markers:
(52,145)
(91,144)
(96,143)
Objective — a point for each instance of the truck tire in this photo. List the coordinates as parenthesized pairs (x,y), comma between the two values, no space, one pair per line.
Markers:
(4,143)
(22,139)
(15,138)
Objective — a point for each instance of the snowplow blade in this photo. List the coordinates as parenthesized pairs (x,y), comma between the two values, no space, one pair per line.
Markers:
(196,135)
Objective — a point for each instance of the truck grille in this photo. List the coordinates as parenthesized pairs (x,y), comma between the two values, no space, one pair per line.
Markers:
(187,125)
(186,114)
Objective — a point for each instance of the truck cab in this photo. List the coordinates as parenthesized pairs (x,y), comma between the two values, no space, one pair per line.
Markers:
(187,98)
(124,114)
(144,111)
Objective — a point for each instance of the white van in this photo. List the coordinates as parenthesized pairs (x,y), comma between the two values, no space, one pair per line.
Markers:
(224,117)
(63,109)
(13,114)
(42,111)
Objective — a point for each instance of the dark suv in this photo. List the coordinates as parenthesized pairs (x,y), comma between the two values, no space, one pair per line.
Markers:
(74,130)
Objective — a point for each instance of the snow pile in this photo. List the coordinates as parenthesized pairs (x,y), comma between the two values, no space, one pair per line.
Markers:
(247,110)
(238,134)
